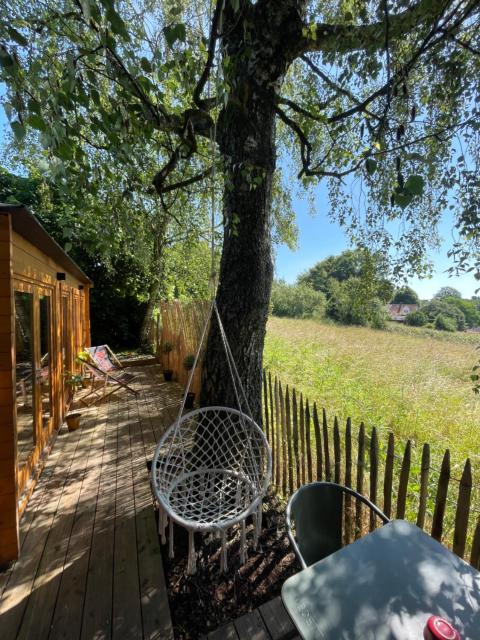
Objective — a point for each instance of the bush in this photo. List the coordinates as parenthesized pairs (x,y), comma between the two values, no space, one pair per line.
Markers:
(441,307)
(416,319)
(445,323)
(296,301)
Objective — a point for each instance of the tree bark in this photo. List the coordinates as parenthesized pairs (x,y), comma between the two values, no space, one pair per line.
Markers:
(246,138)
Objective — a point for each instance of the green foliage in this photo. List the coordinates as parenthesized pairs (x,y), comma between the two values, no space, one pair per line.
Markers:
(447,292)
(189,361)
(416,319)
(437,307)
(355,286)
(469,308)
(296,301)
(445,323)
(405,295)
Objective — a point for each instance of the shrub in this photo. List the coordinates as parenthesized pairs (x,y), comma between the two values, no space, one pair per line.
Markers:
(441,307)
(445,323)
(296,301)
(416,319)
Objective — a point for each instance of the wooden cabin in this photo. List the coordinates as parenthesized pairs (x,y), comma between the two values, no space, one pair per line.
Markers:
(44,322)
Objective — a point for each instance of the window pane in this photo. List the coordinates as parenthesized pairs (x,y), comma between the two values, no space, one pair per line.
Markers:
(24,375)
(45,358)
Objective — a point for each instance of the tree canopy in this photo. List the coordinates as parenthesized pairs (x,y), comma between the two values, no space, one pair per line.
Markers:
(378,99)
(405,295)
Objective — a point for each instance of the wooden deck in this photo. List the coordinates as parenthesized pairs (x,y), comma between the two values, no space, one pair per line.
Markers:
(269,622)
(90,563)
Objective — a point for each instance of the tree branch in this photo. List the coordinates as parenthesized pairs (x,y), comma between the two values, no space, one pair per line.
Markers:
(343,38)
(210,57)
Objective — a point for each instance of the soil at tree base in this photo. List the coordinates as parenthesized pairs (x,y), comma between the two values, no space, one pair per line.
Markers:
(203,602)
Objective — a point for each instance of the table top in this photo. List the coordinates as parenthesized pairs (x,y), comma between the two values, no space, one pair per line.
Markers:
(385,586)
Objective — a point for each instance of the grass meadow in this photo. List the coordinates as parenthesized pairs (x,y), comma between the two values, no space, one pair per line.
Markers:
(413,382)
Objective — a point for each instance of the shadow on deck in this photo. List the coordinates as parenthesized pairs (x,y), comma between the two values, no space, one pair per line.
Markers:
(90,563)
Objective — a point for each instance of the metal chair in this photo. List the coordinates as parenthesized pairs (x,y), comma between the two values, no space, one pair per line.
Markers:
(315,511)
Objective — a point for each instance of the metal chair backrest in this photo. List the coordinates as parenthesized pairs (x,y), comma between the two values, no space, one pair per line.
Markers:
(315,511)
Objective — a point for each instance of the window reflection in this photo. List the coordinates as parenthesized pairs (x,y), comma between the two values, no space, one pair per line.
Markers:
(24,375)
(44,377)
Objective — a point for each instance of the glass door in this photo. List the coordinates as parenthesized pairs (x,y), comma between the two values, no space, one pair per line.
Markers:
(25,375)
(44,371)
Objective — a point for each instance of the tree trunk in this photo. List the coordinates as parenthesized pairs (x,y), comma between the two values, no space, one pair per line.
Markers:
(246,138)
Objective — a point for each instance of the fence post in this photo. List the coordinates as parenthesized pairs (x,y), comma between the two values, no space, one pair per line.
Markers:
(337,451)
(272,426)
(295,438)
(289,441)
(283,439)
(348,481)
(302,439)
(403,484)
(475,554)
(388,481)
(373,474)
(318,442)
(463,510)
(308,443)
(278,429)
(360,471)
(424,473)
(266,427)
(441,500)
(328,473)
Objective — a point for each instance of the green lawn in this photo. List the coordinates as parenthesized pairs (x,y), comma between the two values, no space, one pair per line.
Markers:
(411,381)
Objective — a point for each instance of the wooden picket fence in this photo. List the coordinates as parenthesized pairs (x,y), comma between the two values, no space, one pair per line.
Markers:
(180,324)
(306,446)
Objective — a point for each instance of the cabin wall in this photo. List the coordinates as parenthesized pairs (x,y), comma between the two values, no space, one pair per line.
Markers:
(9,540)
(33,396)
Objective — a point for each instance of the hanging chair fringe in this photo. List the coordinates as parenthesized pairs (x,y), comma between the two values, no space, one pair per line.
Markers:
(170,539)
(243,543)
(192,556)
(223,552)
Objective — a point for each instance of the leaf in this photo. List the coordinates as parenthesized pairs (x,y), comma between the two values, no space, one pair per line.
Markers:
(371,166)
(18,130)
(175,32)
(36,121)
(18,37)
(235,5)
(117,24)
(145,64)
(403,199)
(415,185)
(85,6)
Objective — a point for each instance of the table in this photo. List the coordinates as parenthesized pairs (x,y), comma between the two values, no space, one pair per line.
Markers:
(384,587)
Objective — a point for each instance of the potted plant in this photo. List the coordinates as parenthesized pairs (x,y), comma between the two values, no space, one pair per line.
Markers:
(167,348)
(74,382)
(188,364)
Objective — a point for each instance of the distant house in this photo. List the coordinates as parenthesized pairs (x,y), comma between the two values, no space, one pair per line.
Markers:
(399,312)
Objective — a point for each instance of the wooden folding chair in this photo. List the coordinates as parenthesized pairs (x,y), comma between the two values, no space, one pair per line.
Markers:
(106,367)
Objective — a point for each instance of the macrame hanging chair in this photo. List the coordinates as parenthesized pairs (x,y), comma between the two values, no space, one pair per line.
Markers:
(212,466)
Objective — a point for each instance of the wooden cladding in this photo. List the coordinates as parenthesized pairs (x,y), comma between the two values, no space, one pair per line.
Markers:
(304,448)
(32,395)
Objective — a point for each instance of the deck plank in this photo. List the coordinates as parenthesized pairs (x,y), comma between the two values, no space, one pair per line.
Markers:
(276,619)
(16,594)
(41,604)
(90,565)
(251,627)
(227,632)
(67,618)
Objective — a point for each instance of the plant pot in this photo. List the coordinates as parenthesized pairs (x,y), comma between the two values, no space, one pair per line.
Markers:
(73,421)
(168,375)
(189,400)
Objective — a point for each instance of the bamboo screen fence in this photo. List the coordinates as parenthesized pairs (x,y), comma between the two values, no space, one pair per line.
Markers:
(180,324)
(405,483)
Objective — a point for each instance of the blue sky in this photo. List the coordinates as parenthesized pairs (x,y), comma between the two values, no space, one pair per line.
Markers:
(319,238)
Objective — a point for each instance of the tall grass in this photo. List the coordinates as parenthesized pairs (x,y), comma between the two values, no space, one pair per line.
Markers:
(413,383)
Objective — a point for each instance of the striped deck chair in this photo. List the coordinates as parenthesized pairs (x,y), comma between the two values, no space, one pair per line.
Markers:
(105,366)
